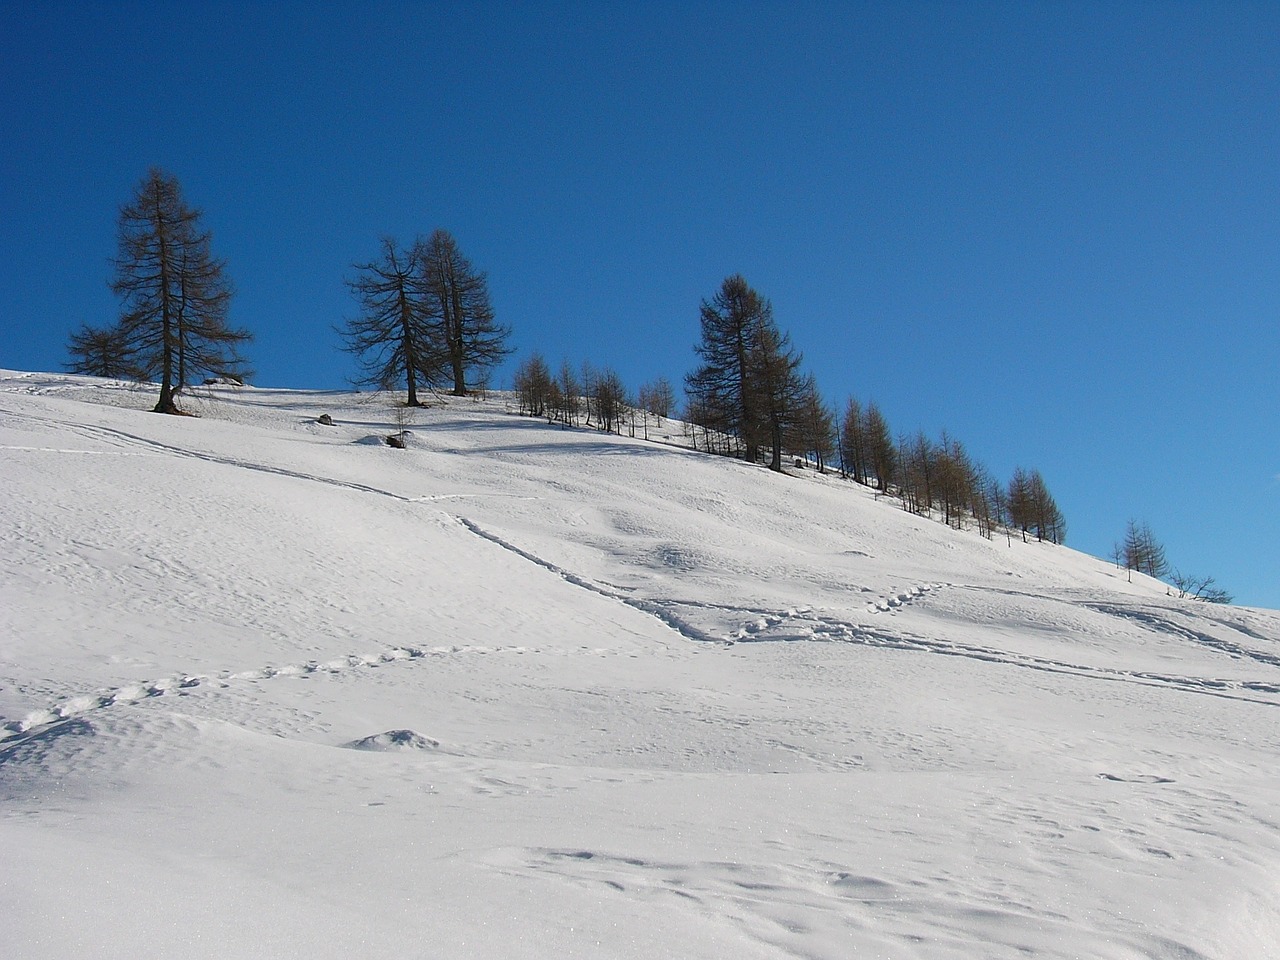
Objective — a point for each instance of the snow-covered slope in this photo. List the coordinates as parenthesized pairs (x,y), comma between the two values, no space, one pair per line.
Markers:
(273,689)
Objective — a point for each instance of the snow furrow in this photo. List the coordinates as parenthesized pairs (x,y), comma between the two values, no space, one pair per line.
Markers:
(649,607)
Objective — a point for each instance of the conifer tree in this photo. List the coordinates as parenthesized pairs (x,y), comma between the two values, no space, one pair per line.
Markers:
(853,442)
(748,387)
(392,337)
(175,294)
(469,340)
(881,453)
(722,385)
(101,352)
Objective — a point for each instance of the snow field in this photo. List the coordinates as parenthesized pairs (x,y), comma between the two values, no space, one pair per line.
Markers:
(269,690)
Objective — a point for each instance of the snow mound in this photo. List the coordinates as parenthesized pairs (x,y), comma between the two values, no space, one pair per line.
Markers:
(394,740)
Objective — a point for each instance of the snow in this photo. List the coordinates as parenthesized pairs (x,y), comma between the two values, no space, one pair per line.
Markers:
(270,688)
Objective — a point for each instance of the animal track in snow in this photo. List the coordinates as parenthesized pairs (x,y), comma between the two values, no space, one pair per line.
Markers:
(802,623)
(898,598)
(13,732)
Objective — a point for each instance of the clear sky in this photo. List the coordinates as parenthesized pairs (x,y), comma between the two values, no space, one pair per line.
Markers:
(1051,229)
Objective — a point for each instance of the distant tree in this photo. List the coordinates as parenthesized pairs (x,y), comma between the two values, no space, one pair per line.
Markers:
(1021,510)
(566,393)
(989,501)
(955,475)
(1048,523)
(533,385)
(175,293)
(779,387)
(470,342)
(608,399)
(813,432)
(1142,551)
(1032,509)
(391,337)
(704,421)
(657,397)
(853,442)
(1198,588)
(881,453)
(101,352)
(917,476)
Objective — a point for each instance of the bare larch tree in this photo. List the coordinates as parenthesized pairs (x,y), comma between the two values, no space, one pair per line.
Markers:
(175,294)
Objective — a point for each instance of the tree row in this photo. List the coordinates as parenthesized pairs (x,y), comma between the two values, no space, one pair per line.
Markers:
(424,316)
(749,398)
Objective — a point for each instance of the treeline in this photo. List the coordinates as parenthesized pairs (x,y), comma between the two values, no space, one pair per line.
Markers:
(1141,552)
(749,397)
(941,478)
(591,397)
(425,320)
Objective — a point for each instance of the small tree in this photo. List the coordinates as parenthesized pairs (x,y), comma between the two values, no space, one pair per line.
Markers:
(853,442)
(569,390)
(608,398)
(1142,551)
(814,429)
(533,385)
(1198,588)
(1032,508)
(101,352)
(657,397)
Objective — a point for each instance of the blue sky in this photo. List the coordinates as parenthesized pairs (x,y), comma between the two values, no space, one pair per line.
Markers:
(1050,229)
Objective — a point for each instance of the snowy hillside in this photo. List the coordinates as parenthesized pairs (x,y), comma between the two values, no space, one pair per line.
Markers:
(270,688)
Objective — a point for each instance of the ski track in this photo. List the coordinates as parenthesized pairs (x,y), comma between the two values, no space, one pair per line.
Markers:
(649,607)
(804,624)
(1165,624)
(126,440)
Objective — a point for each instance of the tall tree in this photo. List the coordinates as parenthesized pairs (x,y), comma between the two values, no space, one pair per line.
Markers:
(881,452)
(853,442)
(458,303)
(392,337)
(175,293)
(748,387)
(722,386)
(779,387)
(813,431)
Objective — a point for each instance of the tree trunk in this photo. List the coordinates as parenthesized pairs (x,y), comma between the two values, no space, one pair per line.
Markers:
(776,463)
